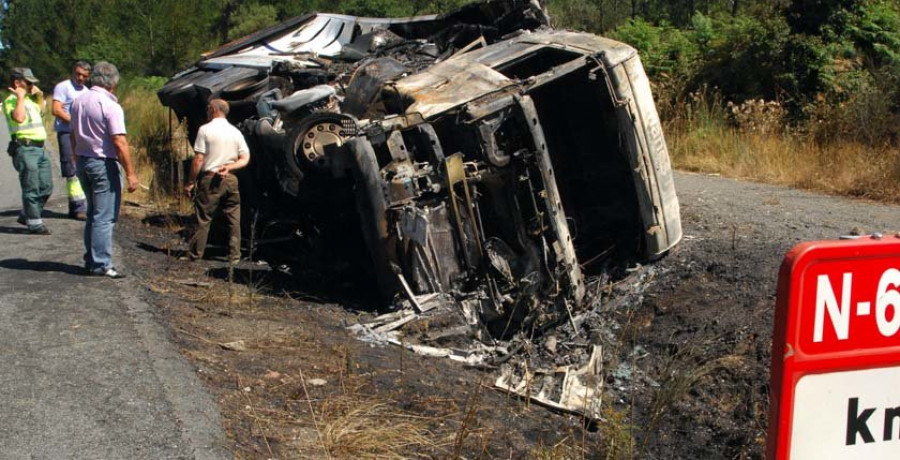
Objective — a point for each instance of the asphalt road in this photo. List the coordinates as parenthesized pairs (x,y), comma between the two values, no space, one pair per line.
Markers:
(86,370)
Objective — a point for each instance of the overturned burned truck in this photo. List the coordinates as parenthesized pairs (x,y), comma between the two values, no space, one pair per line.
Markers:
(480,155)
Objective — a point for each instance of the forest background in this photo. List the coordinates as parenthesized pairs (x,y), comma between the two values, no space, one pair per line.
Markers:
(799,92)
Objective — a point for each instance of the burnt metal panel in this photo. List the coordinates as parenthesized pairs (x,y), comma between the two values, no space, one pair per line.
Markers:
(566,250)
(322,34)
(615,52)
(456,175)
(448,85)
(258,36)
(649,157)
(367,82)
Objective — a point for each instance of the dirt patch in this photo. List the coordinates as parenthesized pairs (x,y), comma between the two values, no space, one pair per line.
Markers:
(297,385)
(686,347)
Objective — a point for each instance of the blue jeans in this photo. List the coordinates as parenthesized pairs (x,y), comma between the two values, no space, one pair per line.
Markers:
(100,179)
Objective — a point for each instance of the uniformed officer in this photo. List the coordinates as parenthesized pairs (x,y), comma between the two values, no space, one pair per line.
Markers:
(24,110)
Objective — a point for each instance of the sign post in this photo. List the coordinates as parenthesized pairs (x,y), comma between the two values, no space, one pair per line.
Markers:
(835,375)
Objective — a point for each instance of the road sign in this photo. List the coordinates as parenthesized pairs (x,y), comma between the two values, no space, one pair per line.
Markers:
(835,376)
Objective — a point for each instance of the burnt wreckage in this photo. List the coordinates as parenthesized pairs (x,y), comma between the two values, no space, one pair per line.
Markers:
(480,156)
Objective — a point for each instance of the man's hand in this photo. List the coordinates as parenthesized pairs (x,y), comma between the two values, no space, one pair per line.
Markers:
(223,170)
(19,91)
(189,189)
(133,182)
(35,91)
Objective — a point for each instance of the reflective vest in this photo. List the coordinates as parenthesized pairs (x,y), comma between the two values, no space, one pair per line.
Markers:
(33,126)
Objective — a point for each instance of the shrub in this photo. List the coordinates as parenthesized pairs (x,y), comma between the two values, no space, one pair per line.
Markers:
(669,55)
(158,148)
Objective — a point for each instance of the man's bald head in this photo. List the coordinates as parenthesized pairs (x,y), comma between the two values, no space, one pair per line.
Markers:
(218,108)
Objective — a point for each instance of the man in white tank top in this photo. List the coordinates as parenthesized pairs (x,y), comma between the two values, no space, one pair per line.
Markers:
(219,149)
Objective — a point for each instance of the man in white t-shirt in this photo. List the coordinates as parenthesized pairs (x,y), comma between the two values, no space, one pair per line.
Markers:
(64,94)
(219,149)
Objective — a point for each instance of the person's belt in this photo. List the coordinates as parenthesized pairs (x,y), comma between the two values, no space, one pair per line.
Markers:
(210,173)
(29,142)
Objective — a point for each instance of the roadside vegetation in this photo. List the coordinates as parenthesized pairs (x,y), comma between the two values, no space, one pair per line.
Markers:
(158,139)
(802,94)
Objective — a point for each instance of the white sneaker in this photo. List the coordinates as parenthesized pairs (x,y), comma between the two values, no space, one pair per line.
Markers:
(109,273)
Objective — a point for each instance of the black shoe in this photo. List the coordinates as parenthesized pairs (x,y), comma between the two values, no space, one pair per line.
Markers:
(39,230)
(108,273)
(21,219)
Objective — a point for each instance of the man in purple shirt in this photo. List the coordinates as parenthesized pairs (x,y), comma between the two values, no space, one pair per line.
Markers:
(99,143)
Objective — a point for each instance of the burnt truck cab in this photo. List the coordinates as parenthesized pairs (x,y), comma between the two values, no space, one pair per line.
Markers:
(550,158)
(497,175)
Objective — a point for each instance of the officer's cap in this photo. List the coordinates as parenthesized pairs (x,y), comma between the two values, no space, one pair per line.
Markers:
(23,73)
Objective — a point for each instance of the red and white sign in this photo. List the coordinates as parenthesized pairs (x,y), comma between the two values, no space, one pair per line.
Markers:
(835,380)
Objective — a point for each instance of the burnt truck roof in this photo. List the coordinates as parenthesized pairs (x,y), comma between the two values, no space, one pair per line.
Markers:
(323,34)
(581,42)
(327,35)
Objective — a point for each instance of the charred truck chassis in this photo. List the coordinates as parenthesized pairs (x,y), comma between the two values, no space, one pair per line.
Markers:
(499,174)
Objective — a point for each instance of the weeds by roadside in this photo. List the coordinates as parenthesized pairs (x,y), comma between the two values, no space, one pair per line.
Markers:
(753,141)
(159,142)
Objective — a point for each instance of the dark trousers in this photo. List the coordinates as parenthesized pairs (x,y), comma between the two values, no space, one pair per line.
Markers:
(35,177)
(66,162)
(77,201)
(215,193)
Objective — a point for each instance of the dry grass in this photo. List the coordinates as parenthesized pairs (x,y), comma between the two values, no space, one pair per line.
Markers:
(347,424)
(563,450)
(846,169)
(338,426)
(704,137)
(288,415)
(354,428)
(158,142)
(618,434)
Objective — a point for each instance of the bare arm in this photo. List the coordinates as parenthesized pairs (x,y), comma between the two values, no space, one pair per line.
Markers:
(60,112)
(196,164)
(123,152)
(18,113)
